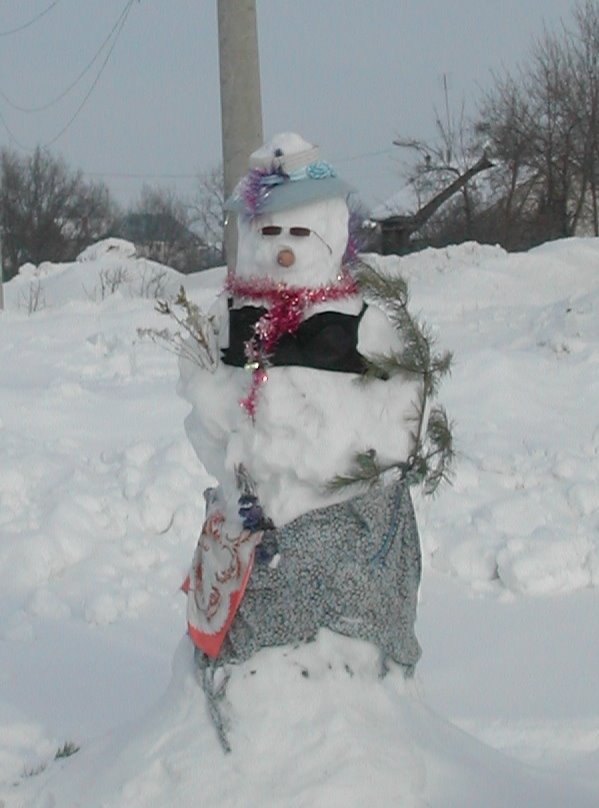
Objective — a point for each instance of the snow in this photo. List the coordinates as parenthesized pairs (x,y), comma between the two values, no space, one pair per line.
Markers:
(101,503)
(404,202)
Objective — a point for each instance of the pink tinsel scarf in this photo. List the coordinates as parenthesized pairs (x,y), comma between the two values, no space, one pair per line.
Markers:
(286,306)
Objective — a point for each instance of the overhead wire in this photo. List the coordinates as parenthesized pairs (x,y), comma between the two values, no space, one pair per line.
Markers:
(11,134)
(165,176)
(114,34)
(31,22)
(127,9)
(353,157)
(76,81)
(128,175)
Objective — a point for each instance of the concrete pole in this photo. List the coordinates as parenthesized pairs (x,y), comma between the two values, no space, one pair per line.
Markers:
(240,101)
(1,275)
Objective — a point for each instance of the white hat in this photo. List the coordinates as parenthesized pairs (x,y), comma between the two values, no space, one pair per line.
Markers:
(285,173)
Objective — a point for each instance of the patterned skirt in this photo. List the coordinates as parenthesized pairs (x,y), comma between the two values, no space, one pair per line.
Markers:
(353,568)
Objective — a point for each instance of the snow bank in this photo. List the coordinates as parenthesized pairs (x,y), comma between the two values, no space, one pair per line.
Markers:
(100,504)
(522,513)
(107,268)
(309,726)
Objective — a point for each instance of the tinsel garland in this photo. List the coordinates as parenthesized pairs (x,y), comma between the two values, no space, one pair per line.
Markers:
(257,184)
(253,189)
(286,306)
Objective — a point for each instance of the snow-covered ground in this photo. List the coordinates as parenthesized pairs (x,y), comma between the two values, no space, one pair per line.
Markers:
(100,505)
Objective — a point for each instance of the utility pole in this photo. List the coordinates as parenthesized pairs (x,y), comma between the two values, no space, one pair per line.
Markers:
(240,100)
(1,275)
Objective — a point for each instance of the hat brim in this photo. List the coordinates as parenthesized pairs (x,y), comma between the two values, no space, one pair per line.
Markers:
(293,194)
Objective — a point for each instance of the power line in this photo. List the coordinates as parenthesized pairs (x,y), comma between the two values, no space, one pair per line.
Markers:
(124,16)
(76,81)
(11,134)
(132,176)
(32,21)
(116,31)
(353,157)
(128,175)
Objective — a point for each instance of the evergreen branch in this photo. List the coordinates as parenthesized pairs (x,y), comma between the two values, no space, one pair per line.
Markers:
(430,468)
(392,294)
(365,470)
(432,455)
(381,287)
(441,363)
(440,366)
(385,366)
(439,460)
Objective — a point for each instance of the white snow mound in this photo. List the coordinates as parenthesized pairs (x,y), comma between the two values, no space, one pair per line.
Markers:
(311,726)
(101,504)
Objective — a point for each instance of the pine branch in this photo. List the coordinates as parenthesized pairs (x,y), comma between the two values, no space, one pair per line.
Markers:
(385,366)
(384,289)
(365,470)
(416,355)
(439,460)
(432,455)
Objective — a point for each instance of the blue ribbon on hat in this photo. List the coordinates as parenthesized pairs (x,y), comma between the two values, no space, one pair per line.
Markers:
(318,170)
(252,193)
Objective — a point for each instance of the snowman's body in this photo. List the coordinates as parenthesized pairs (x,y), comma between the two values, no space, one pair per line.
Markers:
(308,422)
(347,560)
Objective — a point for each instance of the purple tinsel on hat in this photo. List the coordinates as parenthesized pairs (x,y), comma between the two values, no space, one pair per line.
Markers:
(256,185)
(252,190)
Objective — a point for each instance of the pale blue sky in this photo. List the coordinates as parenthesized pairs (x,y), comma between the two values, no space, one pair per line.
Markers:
(347,74)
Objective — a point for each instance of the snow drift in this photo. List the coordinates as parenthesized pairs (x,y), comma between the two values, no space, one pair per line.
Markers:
(100,504)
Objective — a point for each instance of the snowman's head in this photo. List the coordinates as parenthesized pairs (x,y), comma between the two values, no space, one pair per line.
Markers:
(292,215)
(301,246)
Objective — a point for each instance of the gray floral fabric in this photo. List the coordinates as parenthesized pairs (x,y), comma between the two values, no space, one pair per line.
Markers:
(353,568)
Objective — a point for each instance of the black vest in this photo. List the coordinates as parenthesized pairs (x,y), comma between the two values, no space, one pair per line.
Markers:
(326,341)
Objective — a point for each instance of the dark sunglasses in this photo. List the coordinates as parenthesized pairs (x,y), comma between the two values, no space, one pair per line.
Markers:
(275,230)
(302,232)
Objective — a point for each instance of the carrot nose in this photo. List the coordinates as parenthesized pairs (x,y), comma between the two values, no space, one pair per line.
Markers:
(285,257)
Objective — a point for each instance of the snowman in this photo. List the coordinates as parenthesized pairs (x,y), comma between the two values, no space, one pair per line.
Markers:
(281,412)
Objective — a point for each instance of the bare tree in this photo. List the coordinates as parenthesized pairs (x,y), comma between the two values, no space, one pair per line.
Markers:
(207,214)
(542,124)
(539,124)
(48,211)
(445,167)
(584,107)
(159,224)
(169,211)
